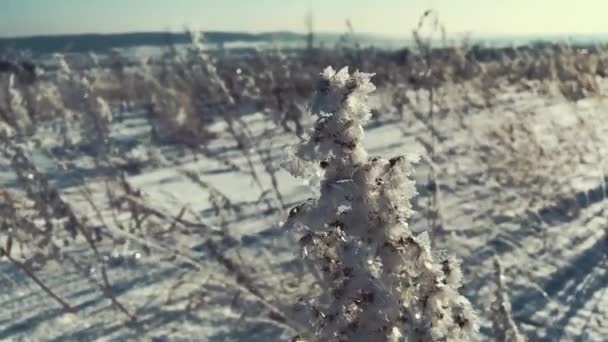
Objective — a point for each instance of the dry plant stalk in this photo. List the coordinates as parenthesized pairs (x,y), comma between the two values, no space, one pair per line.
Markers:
(505,329)
(430,79)
(55,211)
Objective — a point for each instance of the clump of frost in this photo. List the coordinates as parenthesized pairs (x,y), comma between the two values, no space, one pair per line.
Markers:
(97,117)
(64,67)
(18,112)
(384,283)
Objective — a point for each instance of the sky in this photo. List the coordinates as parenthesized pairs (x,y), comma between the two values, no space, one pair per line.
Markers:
(391,17)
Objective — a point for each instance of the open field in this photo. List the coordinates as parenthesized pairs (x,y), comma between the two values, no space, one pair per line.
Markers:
(145,199)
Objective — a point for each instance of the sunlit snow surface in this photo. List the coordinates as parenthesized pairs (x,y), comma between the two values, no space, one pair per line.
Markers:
(556,265)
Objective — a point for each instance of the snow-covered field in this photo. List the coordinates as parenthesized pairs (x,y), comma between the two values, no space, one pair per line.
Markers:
(546,223)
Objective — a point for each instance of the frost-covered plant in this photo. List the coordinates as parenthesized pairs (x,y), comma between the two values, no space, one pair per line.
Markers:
(96,118)
(384,283)
(18,113)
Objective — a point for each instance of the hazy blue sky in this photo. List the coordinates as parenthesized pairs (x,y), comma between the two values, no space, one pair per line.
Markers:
(33,17)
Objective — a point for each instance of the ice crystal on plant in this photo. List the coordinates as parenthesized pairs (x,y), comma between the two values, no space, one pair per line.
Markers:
(384,283)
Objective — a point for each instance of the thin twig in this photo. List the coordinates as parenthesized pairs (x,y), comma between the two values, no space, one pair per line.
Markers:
(67,307)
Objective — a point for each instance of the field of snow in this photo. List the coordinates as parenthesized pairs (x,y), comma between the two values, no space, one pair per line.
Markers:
(552,242)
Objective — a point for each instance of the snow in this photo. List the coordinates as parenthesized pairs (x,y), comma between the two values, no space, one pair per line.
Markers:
(556,268)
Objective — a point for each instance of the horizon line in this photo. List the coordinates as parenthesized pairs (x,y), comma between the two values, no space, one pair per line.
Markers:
(471,34)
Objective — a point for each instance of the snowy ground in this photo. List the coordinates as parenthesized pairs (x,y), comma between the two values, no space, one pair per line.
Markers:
(555,257)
